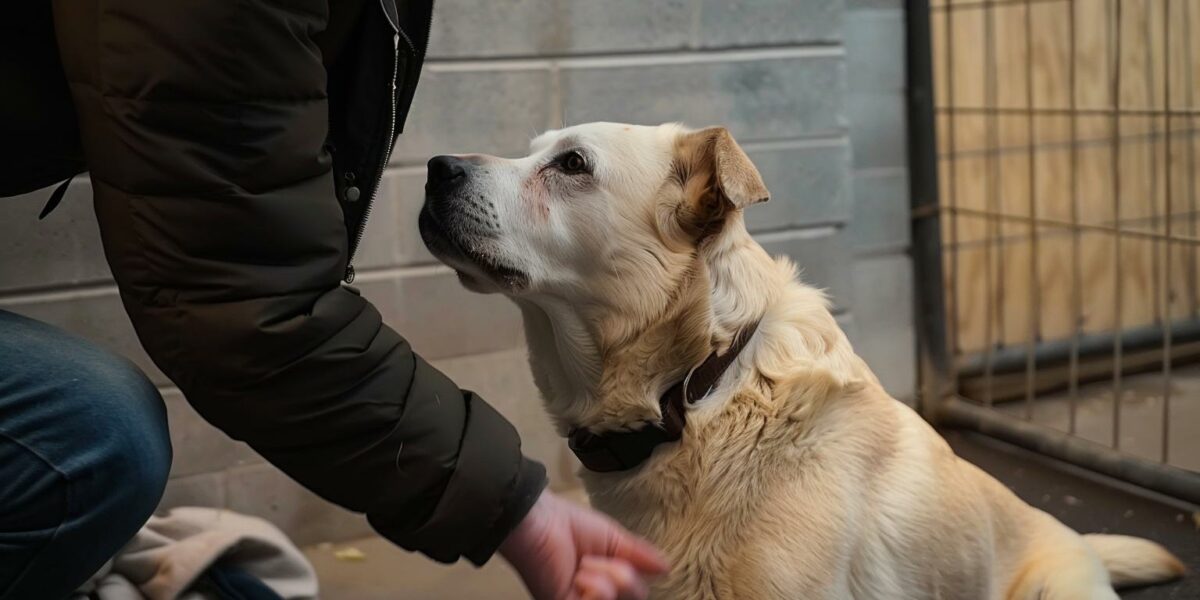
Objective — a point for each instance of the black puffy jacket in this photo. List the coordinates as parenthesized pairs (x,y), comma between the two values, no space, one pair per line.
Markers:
(234,148)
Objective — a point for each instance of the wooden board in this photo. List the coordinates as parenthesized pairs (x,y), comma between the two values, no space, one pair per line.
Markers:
(1058,110)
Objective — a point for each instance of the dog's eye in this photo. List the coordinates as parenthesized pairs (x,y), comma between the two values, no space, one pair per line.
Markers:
(572,163)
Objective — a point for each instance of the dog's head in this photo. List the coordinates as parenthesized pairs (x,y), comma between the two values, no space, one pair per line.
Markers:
(591,206)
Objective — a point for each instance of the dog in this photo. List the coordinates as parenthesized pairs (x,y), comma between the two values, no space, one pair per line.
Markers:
(720,410)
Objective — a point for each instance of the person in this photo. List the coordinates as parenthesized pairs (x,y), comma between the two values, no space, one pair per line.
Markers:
(233,151)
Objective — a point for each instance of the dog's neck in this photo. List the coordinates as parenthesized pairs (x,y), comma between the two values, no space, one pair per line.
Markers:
(591,377)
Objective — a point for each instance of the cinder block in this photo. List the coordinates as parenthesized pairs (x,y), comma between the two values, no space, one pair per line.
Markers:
(877,132)
(504,380)
(761,22)
(845,320)
(63,249)
(881,211)
(883,312)
(460,110)
(441,319)
(207,489)
(264,491)
(822,255)
(392,238)
(198,446)
(94,314)
(875,50)
(468,28)
(809,184)
(855,5)
(766,95)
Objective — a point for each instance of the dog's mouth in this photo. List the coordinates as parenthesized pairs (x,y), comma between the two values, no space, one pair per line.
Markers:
(460,255)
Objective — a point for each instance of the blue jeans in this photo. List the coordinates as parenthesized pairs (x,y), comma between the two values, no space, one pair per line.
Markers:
(84,457)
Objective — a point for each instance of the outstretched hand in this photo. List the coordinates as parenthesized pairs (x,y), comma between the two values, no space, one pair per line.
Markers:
(563,551)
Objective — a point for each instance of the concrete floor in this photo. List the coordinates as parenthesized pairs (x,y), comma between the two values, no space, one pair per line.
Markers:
(389,573)
(1089,502)
(1141,414)
(386,572)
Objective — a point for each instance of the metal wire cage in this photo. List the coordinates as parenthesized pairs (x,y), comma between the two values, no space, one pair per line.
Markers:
(1053,149)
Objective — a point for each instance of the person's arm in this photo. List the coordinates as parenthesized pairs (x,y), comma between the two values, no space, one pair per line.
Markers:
(203,124)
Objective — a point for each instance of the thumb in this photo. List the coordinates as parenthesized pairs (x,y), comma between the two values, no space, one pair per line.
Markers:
(639,553)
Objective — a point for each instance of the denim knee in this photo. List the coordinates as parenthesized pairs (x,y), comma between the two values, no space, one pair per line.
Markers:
(89,411)
(131,458)
(88,431)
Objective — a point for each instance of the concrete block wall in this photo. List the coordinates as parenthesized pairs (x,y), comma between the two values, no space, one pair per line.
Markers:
(812,88)
(883,329)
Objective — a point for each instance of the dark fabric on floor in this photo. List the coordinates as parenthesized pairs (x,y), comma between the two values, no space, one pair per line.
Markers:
(1091,503)
(232,583)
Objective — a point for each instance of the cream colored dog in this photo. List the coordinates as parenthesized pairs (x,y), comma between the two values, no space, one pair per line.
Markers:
(797,476)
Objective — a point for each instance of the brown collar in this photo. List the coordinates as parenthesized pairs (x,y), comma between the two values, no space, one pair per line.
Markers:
(624,450)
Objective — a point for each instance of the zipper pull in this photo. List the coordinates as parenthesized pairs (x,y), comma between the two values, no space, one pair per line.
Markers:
(348,277)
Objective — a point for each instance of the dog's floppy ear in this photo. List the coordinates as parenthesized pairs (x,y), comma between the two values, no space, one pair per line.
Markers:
(716,175)
(737,177)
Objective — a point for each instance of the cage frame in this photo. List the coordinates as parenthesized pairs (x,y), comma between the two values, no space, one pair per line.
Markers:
(938,397)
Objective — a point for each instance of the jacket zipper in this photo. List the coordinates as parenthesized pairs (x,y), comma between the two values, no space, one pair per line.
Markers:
(387,155)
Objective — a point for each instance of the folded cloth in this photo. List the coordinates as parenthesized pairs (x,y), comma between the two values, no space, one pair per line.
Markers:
(196,553)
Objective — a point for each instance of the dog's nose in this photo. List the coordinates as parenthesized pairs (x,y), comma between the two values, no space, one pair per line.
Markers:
(445,170)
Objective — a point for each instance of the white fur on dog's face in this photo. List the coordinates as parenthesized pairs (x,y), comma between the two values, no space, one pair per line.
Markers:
(556,220)
(603,235)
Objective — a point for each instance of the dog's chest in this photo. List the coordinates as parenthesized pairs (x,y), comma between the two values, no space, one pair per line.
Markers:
(749,520)
(741,531)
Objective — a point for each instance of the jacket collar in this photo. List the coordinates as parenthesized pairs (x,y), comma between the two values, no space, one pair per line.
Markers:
(624,450)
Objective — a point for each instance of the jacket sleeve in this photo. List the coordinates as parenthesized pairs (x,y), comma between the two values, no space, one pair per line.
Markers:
(204,126)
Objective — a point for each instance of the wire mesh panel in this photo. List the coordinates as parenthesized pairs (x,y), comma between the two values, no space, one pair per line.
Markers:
(1067,134)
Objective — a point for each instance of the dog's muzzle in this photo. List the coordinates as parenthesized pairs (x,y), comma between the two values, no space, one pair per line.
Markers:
(459,224)
(454,200)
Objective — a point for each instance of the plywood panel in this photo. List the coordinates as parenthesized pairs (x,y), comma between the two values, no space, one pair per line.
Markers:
(1053,114)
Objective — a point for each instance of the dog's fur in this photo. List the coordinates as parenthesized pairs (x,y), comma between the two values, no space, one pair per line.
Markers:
(797,477)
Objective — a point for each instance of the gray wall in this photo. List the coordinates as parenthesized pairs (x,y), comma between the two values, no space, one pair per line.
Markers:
(812,89)
(882,307)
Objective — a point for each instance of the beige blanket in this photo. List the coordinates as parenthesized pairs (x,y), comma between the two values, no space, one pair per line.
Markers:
(172,551)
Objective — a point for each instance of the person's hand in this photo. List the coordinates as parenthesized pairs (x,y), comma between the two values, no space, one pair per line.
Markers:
(567,552)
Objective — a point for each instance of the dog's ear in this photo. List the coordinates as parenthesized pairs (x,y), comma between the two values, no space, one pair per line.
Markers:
(737,178)
(716,175)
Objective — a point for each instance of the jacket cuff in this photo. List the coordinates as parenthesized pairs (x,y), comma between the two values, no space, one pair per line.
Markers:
(490,488)
(531,481)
